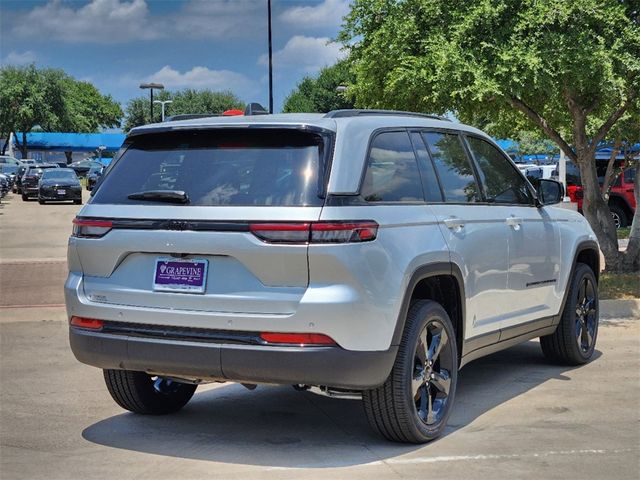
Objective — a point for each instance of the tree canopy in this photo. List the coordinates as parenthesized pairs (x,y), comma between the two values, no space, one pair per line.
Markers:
(138,111)
(51,100)
(319,94)
(569,69)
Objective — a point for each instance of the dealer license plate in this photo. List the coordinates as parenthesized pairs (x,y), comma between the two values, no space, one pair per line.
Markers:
(61,192)
(175,275)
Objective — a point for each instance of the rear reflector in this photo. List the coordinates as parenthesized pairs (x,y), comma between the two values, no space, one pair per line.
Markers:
(316,232)
(90,323)
(297,338)
(88,228)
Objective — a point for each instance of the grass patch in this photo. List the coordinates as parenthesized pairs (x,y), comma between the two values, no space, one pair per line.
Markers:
(624,232)
(619,286)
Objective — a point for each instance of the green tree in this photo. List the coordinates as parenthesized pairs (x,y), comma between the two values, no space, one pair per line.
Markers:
(28,98)
(51,100)
(319,94)
(138,111)
(569,69)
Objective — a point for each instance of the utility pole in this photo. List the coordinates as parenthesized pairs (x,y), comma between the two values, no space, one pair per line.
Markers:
(270,61)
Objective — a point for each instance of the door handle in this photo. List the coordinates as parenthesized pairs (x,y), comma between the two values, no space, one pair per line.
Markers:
(514,222)
(454,224)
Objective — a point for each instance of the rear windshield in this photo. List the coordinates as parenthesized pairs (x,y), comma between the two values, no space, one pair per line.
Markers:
(59,173)
(266,167)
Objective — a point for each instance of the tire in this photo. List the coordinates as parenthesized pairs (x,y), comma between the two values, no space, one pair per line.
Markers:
(41,202)
(574,341)
(25,197)
(141,393)
(77,202)
(393,409)
(619,215)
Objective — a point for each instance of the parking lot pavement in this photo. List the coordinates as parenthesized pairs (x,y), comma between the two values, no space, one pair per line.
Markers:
(516,416)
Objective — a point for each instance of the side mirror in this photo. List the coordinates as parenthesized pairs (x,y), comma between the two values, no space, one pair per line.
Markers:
(549,192)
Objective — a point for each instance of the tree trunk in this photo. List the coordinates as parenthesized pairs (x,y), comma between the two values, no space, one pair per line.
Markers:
(597,212)
(608,176)
(69,156)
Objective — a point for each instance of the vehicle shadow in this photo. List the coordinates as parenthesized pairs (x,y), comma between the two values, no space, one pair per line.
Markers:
(277,426)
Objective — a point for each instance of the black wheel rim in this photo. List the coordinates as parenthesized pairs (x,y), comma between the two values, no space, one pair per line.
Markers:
(433,365)
(586,315)
(616,219)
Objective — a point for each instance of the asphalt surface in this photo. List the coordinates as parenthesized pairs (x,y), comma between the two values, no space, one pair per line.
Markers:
(516,416)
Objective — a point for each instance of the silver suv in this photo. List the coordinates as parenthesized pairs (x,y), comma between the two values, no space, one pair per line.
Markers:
(355,253)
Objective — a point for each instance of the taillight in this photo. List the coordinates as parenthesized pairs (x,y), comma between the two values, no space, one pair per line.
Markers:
(86,228)
(301,339)
(343,232)
(281,232)
(89,323)
(316,232)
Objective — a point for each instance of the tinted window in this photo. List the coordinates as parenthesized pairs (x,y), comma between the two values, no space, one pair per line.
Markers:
(453,167)
(502,183)
(392,172)
(429,180)
(230,167)
(630,175)
(59,173)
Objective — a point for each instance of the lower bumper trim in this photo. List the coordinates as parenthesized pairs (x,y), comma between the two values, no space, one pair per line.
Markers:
(327,366)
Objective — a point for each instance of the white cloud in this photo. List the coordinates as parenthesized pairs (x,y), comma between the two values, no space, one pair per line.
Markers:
(100,21)
(121,21)
(201,77)
(307,54)
(17,58)
(329,13)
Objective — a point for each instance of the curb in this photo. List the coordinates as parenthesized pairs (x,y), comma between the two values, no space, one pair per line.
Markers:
(620,309)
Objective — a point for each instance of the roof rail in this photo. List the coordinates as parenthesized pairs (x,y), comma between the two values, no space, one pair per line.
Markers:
(364,112)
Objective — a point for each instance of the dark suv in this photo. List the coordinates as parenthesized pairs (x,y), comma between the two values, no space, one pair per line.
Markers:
(31,179)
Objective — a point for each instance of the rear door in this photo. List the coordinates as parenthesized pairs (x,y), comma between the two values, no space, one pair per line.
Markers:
(202,202)
(475,233)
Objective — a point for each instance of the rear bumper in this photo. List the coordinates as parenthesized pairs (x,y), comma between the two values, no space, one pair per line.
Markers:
(328,366)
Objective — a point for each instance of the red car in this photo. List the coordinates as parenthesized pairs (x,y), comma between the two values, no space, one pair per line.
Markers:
(622,202)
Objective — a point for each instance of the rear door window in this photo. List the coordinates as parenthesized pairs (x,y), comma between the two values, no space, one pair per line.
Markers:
(392,172)
(453,167)
(261,167)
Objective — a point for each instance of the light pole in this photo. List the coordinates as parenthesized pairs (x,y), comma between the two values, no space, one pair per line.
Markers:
(163,103)
(270,61)
(151,87)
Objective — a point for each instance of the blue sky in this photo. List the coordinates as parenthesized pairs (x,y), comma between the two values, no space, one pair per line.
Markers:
(216,44)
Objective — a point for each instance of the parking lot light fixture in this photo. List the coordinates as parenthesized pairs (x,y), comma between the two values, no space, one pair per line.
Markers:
(151,87)
(163,103)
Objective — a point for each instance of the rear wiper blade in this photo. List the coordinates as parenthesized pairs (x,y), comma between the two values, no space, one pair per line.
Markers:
(169,196)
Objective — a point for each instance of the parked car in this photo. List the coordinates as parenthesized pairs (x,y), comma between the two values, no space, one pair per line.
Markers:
(93,174)
(31,178)
(540,171)
(17,186)
(622,201)
(7,159)
(10,171)
(58,184)
(357,254)
(82,167)
(4,185)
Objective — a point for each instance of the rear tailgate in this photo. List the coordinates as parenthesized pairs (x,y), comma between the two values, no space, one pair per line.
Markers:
(232,182)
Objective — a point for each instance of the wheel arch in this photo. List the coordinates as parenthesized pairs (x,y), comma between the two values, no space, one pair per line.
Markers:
(435,282)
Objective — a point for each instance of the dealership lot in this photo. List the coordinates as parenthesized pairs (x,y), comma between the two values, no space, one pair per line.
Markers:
(516,416)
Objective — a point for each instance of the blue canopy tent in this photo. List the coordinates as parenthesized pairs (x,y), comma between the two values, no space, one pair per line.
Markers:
(73,142)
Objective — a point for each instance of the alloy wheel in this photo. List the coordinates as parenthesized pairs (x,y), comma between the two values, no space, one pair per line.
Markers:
(586,315)
(433,364)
